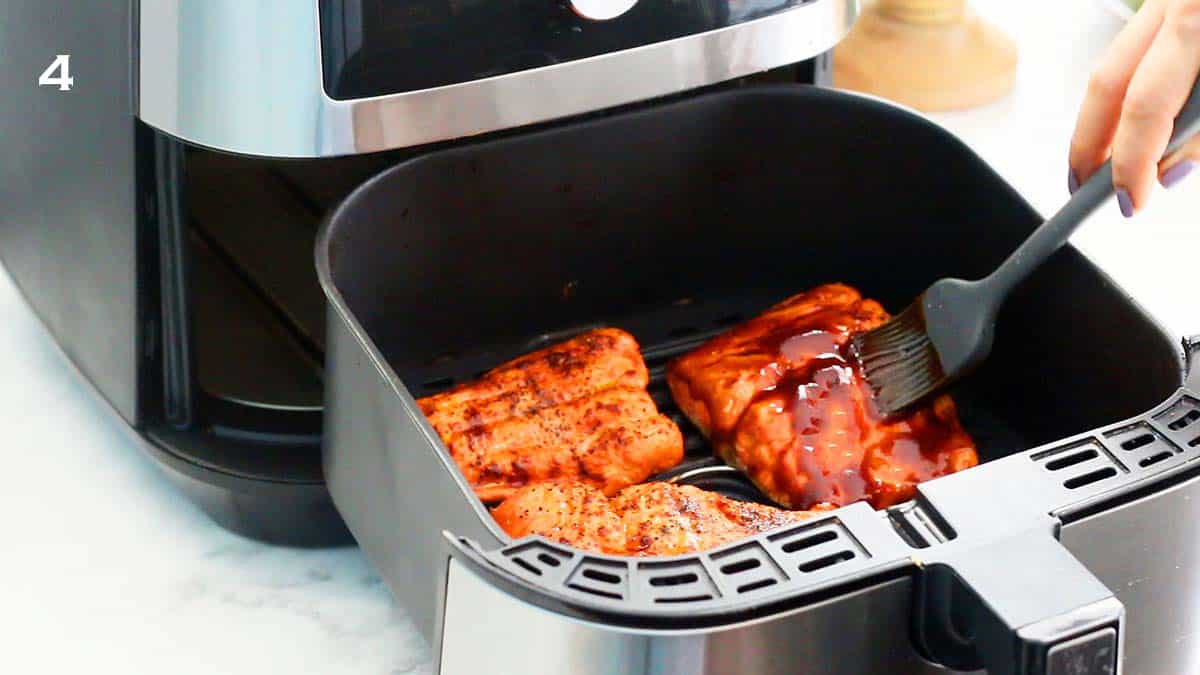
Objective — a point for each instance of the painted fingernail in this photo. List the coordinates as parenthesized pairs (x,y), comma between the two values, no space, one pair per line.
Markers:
(1125,202)
(1177,173)
(1072,181)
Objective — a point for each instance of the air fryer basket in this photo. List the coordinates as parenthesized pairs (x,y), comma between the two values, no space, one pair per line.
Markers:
(674,222)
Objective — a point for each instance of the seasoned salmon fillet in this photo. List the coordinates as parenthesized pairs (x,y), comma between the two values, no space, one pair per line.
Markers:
(667,519)
(575,410)
(565,511)
(596,360)
(650,519)
(780,400)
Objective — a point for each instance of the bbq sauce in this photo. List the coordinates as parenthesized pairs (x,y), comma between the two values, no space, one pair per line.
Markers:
(838,448)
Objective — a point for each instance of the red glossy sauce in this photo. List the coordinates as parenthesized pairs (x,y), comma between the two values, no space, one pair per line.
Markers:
(840,450)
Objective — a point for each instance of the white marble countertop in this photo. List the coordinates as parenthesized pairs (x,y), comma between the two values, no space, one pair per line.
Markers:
(110,570)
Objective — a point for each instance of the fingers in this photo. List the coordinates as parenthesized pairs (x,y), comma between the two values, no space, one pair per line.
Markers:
(1157,91)
(1101,111)
(1179,164)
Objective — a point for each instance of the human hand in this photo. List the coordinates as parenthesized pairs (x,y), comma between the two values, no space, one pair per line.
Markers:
(1132,99)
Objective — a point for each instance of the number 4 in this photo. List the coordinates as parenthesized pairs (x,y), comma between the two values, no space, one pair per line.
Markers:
(62,63)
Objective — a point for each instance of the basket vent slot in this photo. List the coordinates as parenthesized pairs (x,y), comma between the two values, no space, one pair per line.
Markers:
(1180,422)
(1154,459)
(755,585)
(1137,442)
(1188,417)
(748,568)
(603,578)
(526,565)
(740,566)
(1072,459)
(675,581)
(1144,445)
(1082,463)
(826,561)
(538,558)
(817,547)
(810,541)
(1089,478)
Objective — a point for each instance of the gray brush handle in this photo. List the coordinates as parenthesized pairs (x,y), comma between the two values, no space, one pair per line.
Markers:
(1055,232)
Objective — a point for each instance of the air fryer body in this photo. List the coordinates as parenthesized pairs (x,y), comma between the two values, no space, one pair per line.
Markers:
(93,232)
(70,191)
(160,215)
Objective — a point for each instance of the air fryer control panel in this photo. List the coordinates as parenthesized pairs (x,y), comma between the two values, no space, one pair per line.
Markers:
(379,47)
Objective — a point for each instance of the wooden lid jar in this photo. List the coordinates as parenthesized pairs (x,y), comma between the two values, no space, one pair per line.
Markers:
(931,55)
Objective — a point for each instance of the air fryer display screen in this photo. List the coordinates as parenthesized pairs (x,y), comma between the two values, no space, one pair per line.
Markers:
(377,47)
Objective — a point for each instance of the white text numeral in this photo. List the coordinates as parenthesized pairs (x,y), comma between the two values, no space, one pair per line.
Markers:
(61,65)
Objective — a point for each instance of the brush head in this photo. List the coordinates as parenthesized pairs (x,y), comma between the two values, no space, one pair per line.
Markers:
(899,361)
(944,335)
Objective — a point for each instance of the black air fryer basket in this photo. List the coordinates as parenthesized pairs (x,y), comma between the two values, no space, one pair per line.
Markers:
(677,221)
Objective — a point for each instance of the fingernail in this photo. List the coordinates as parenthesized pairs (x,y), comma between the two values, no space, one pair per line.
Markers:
(1072,181)
(1176,173)
(1125,202)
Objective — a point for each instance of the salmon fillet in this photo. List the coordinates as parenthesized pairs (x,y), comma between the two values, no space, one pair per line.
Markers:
(667,519)
(780,401)
(651,519)
(565,511)
(575,410)
(587,363)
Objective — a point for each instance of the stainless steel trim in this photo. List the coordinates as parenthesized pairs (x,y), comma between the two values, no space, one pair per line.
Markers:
(245,77)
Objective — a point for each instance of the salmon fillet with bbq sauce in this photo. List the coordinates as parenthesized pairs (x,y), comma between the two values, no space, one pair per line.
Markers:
(780,400)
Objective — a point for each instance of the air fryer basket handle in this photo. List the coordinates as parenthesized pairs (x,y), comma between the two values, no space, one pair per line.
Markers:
(1021,606)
